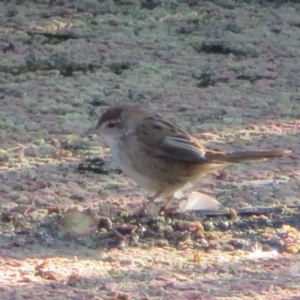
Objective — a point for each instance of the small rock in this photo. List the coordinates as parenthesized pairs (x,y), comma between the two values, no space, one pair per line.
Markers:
(162,243)
(214,245)
(4,156)
(228,247)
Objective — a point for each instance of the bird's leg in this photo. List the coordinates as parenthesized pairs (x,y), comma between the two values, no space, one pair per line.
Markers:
(168,201)
(164,208)
(151,199)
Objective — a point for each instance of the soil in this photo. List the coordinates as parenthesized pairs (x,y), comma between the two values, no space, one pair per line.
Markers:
(226,71)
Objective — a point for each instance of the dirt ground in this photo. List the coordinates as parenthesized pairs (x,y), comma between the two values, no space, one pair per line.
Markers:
(226,71)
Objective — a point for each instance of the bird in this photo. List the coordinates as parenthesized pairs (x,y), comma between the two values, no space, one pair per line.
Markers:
(158,155)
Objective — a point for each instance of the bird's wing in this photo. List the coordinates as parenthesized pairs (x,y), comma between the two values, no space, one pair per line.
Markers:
(165,140)
(181,147)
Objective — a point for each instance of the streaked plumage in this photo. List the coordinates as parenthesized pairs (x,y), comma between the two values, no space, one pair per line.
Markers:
(160,156)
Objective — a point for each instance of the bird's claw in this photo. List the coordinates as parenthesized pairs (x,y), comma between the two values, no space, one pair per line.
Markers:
(167,211)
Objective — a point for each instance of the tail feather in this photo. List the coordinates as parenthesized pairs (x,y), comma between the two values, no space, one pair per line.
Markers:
(235,157)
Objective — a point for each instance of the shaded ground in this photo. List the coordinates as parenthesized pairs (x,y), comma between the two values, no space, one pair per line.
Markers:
(226,71)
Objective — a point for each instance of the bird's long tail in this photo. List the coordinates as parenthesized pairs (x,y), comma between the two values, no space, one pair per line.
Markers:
(235,157)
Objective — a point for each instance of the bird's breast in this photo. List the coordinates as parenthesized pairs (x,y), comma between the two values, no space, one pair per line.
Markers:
(131,164)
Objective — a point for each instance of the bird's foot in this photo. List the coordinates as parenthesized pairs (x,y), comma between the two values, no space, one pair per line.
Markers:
(168,211)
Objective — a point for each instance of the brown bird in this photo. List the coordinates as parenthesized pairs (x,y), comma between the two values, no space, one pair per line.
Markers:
(158,155)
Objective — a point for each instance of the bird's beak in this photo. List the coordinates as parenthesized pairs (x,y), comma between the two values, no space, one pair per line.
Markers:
(91,131)
(93,134)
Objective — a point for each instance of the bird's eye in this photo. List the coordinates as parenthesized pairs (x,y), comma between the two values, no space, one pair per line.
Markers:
(111,124)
